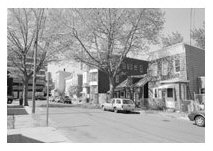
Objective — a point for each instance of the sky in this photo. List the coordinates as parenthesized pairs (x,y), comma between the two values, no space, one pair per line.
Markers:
(178,19)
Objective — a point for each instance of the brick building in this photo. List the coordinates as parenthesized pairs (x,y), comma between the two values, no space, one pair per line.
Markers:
(97,85)
(175,72)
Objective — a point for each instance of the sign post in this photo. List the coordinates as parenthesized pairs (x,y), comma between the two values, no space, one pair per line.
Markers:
(48,79)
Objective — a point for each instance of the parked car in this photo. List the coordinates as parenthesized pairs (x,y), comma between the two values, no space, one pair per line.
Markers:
(198,117)
(59,99)
(9,99)
(119,104)
(51,99)
(67,100)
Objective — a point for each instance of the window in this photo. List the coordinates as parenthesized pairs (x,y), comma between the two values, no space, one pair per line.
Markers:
(117,79)
(141,68)
(113,101)
(118,101)
(128,66)
(155,93)
(127,102)
(170,93)
(164,68)
(122,93)
(177,65)
(154,69)
(93,76)
(135,67)
(131,66)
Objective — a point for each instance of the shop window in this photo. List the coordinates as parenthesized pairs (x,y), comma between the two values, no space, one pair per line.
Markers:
(170,93)
(177,65)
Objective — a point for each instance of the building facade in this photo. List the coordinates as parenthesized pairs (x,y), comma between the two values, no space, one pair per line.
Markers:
(17,80)
(174,72)
(98,86)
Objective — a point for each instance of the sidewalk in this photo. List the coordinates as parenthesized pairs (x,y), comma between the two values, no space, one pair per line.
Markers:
(35,135)
(176,115)
(31,128)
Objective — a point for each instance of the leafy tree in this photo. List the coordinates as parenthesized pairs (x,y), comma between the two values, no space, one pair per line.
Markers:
(198,35)
(74,90)
(26,31)
(172,39)
(96,36)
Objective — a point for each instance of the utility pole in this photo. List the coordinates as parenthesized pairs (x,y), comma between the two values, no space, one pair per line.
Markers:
(48,79)
(35,62)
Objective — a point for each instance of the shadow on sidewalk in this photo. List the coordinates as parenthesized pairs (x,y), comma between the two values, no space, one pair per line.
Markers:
(16,110)
(18,138)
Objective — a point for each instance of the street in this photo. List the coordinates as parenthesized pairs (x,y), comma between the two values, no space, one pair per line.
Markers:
(97,126)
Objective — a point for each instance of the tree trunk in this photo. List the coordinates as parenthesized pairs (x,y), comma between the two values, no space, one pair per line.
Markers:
(25,92)
(111,86)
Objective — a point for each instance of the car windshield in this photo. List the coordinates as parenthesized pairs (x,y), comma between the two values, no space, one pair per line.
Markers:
(127,102)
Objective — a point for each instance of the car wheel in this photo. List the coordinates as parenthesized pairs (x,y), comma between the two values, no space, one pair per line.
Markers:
(103,108)
(200,121)
(115,110)
(9,101)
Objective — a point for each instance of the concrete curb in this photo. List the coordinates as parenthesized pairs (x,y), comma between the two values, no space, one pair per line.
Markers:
(166,114)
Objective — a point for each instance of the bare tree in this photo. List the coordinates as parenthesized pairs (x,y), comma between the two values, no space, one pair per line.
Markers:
(198,35)
(102,38)
(25,32)
(172,39)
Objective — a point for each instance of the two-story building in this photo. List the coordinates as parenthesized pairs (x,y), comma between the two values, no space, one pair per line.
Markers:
(174,72)
(98,82)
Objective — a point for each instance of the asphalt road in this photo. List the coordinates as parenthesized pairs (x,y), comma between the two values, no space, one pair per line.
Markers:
(97,126)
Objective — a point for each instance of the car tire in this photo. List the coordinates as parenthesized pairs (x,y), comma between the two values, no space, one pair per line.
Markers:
(9,101)
(115,110)
(103,108)
(200,121)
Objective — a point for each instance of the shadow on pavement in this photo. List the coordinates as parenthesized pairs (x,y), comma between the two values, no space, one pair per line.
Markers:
(18,138)
(16,110)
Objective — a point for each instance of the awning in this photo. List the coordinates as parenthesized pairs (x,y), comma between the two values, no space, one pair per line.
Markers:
(165,86)
(142,82)
(175,80)
(123,84)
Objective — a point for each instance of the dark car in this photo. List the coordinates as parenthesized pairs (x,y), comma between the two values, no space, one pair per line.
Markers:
(67,100)
(198,117)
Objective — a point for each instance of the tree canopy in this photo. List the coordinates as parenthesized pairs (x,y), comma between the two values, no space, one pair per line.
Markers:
(198,35)
(173,38)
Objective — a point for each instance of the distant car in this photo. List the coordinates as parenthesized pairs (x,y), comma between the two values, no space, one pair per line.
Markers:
(119,104)
(59,99)
(9,99)
(67,100)
(40,97)
(198,117)
(51,99)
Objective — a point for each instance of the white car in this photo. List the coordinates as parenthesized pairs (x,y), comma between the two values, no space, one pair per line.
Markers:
(119,104)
